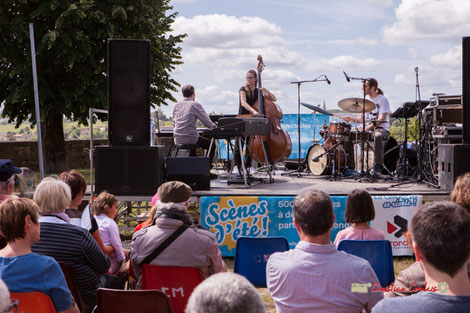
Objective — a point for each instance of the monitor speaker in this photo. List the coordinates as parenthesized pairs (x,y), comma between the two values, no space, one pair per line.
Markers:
(466,90)
(193,171)
(453,162)
(129,92)
(137,171)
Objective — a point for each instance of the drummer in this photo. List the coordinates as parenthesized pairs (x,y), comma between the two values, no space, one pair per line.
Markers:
(378,121)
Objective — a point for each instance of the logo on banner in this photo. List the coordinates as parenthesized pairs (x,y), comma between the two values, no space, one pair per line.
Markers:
(231,218)
(399,222)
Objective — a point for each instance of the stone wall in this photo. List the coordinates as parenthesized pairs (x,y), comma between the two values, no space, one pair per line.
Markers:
(25,153)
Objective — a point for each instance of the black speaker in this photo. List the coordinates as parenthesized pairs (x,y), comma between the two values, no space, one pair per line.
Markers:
(466,90)
(129,92)
(193,171)
(453,162)
(131,170)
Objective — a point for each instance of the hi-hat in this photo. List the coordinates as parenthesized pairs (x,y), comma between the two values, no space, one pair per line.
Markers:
(354,105)
(314,108)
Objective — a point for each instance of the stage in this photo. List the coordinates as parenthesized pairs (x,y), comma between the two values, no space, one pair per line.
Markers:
(293,185)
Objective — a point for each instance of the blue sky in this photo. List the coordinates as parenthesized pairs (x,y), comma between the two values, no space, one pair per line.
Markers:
(302,39)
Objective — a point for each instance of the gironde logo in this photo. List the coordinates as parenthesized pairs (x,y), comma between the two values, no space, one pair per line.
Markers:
(400,222)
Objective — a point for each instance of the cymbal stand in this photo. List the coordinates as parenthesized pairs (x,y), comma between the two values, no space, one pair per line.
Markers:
(298,171)
(363,80)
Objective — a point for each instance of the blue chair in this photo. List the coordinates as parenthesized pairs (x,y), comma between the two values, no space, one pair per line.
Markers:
(377,252)
(252,254)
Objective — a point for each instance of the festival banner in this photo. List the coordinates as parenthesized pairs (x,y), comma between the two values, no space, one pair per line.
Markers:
(264,216)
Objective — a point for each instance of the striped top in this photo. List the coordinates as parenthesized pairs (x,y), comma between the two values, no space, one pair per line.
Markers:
(76,247)
(319,278)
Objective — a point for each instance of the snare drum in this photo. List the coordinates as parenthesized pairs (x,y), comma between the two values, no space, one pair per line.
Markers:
(358,135)
(320,162)
(340,131)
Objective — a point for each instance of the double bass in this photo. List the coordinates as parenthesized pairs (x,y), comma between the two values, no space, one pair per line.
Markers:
(277,144)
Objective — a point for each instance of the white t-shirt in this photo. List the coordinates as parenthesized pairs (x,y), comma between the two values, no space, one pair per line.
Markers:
(381,106)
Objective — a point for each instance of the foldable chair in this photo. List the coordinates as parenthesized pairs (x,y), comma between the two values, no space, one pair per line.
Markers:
(176,282)
(252,254)
(377,252)
(73,287)
(130,301)
(33,302)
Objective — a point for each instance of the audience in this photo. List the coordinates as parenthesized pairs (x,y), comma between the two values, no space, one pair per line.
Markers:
(23,270)
(225,293)
(359,211)
(77,184)
(411,280)
(7,185)
(315,277)
(105,210)
(441,242)
(69,243)
(151,214)
(195,247)
(4,298)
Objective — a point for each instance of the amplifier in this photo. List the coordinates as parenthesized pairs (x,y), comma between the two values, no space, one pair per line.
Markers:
(445,109)
(453,161)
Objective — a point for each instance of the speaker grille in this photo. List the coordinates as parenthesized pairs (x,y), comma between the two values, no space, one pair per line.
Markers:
(129,92)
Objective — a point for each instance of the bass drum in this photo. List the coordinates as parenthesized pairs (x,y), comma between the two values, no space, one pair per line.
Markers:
(319,162)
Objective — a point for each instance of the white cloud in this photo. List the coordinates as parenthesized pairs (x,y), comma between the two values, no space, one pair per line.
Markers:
(412,53)
(428,20)
(361,40)
(344,62)
(450,58)
(382,3)
(183,1)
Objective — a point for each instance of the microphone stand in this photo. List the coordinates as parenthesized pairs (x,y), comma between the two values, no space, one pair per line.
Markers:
(298,172)
(363,80)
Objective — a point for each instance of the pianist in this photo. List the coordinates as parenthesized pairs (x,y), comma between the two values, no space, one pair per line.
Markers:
(185,115)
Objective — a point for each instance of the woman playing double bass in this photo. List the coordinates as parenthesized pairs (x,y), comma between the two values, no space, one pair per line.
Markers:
(248,95)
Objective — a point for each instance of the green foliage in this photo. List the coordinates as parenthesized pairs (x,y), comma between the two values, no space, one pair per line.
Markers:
(71,52)
(397,129)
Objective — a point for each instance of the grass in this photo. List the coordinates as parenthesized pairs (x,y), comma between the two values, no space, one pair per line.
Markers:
(399,263)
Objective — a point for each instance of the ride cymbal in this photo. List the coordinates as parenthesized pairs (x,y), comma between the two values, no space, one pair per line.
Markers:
(354,105)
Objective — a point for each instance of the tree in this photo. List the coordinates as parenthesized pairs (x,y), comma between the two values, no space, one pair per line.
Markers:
(71,49)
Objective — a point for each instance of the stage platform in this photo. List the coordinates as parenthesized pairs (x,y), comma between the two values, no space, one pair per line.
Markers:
(293,185)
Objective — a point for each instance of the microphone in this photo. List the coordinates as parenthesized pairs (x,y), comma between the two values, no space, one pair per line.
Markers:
(327,80)
(347,77)
(317,158)
(416,69)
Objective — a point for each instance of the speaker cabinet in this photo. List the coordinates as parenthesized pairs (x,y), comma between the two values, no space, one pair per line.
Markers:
(466,90)
(137,171)
(453,162)
(193,171)
(129,92)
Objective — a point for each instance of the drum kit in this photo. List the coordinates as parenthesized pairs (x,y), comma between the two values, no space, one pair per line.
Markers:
(332,156)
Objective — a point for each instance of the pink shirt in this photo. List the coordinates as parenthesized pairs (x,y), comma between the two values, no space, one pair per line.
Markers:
(359,234)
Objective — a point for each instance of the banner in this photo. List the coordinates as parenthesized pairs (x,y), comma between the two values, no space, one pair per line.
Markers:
(264,216)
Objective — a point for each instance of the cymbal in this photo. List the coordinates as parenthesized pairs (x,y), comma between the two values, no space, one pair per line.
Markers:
(354,105)
(314,108)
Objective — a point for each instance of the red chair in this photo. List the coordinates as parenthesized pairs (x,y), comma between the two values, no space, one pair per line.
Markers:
(33,302)
(175,281)
(73,287)
(130,301)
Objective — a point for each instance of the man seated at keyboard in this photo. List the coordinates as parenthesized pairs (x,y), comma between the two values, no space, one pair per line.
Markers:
(185,115)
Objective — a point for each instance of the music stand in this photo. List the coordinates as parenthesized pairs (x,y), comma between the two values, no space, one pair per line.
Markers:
(298,172)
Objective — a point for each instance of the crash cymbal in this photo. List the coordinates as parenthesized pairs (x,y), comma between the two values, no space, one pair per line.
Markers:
(354,105)
(314,108)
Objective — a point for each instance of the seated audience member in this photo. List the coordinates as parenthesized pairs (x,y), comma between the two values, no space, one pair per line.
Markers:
(4,298)
(441,242)
(23,270)
(195,247)
(7,185)
(151,214)
(359,211)
(69,243)
(315,277)
(77,184)
(225,293)
(412,279)
(105,209)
